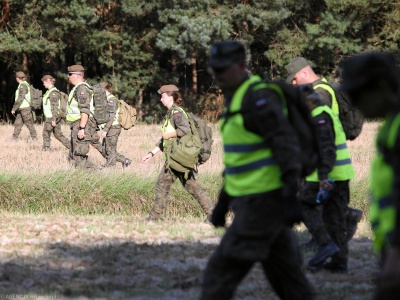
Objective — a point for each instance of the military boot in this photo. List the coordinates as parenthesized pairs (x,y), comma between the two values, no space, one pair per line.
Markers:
(323,253)
(353,217)
(335,267)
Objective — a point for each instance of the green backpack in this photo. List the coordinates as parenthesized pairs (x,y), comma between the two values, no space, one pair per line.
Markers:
(36,97)
(62,110)
(100,103)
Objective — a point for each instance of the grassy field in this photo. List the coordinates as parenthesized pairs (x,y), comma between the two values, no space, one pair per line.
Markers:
(67,234)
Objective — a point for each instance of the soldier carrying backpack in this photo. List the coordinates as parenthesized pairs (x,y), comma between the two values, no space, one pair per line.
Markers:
(178,132)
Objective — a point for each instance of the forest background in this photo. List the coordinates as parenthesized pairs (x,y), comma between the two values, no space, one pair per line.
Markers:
(140,45)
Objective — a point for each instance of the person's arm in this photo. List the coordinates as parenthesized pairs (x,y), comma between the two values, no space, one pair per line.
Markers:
(84,98)
(151,154)
(113,105)
(180,123)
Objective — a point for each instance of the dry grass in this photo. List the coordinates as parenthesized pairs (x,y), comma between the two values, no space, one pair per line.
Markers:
(69,256)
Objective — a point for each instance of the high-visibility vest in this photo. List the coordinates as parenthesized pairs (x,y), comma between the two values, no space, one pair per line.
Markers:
(331,91)
(250,167)
(46,103)
(73,111)
(382,212)
(343,169)
(27,101)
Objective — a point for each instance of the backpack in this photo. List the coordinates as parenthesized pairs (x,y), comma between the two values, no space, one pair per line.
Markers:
(299,116)
(36,97)
(100,103)
(205,134)
(62,111)
(183,153)
(127,115)
(350,116)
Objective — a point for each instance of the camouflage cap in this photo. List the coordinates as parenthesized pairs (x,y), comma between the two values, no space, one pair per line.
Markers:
(76,68)
(20,74)
(45,77)
(294,66)
(105,84)
(167,88)
(226,53)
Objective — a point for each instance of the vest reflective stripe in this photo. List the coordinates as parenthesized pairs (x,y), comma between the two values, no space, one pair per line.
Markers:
(382,212)
(342,169)
(249,165)
(331,91)
(27,101)
(47,104)
(73,111)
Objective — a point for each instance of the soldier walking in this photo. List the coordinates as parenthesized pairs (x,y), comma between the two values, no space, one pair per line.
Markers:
(262,167)
(22,107)
(111,131)
(51,108)
(175,125)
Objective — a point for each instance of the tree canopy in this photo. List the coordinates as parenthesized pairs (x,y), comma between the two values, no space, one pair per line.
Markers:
(140,45)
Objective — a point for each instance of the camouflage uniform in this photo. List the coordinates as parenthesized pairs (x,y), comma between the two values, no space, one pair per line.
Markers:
(260,231)
(53,95)
(113,131)
(23,115)
(80,148)
(169,175)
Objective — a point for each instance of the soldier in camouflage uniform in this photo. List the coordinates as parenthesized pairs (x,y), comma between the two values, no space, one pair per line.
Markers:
(22,108)
(326,221)
(111,131)
(79,114)
(262,167)
(51,107)
(175,125)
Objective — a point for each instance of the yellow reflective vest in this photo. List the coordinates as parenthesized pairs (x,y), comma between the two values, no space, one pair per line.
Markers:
(27,101)
(73,111)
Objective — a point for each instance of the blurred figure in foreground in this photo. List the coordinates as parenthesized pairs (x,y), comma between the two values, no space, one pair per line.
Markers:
(372,81)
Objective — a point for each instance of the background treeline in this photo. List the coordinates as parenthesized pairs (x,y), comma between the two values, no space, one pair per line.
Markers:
(140,45)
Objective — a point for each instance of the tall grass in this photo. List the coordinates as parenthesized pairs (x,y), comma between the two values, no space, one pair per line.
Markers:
(45,182)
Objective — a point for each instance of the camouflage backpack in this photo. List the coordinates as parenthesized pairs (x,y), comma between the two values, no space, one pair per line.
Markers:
(100,103)
(36,97)
(62,111)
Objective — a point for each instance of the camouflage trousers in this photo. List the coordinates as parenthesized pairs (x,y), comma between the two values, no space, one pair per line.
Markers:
(257,234)
(24,116)
(110,146)
(164,182)
(326,222)
(48,129)
(80,148)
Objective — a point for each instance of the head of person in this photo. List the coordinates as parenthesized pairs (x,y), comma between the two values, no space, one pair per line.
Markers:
(300,72)
(76,74)
(372,81)
(227,63)
(48,81)
(170,95)
(20,76)
(107,86)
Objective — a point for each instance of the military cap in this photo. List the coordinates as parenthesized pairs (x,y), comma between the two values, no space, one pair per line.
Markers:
(105,84)
(76,68)
(20,74)
(167,88)
(226,53)
(294,66)
(45,77)
(366,68)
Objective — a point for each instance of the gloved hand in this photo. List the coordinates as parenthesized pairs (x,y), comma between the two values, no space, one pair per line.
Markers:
(220,209)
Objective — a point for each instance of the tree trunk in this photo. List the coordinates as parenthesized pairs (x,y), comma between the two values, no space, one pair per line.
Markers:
(194,72)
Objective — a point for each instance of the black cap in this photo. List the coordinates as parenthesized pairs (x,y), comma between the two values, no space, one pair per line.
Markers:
(366,68)
(224,54)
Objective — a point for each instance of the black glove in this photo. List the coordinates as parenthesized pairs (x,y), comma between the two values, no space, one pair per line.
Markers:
(220,209)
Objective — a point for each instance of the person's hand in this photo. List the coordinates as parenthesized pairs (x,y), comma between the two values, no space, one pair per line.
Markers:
(53,123)
(104,134)
(292,212)
(13,112)
(81,134)
(147,157)
(220,210)
(325,184)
